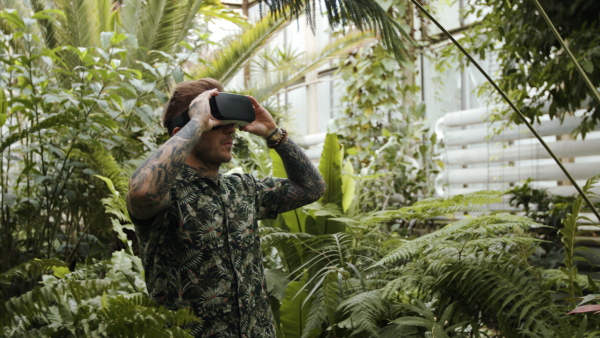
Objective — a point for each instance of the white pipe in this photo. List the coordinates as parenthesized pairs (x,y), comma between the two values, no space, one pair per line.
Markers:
(494,152)
(579,171)
(312,140)
(482,135)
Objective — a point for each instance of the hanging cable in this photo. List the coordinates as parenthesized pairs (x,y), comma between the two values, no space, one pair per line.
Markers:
(514,108)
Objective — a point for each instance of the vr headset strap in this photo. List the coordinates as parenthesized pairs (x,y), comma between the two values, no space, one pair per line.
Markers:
(179,121)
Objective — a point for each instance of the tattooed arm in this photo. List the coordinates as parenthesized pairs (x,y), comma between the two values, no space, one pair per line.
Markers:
(304,180)
(149,185)
(306,183)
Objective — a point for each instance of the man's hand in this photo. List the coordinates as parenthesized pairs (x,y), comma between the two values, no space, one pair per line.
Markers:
(200,110)
(263,124)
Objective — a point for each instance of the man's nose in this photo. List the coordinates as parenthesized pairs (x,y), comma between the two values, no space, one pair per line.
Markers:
(229,128)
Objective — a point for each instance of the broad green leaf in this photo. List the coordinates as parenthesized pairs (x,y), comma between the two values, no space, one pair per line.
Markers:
(278,168)
(295,219)
(3,107)
(60,271)
(293,314)
(330,167)
(105,38)
(348,186)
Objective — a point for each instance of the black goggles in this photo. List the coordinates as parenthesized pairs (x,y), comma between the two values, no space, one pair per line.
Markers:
(182,119)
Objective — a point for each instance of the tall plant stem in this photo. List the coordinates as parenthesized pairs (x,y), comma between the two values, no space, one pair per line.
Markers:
(587,80)
(512,105)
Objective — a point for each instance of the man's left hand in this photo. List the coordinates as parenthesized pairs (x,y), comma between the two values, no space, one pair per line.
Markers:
(263,124)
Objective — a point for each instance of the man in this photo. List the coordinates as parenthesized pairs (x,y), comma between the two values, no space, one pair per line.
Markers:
(197,229)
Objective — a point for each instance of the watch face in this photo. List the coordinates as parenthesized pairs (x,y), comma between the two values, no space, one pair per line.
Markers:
(232,108)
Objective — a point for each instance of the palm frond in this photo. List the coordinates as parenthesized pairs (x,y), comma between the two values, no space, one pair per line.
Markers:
(364,14)
(229,61)
(287,75)
(48,27)
(158,25)
(80,24)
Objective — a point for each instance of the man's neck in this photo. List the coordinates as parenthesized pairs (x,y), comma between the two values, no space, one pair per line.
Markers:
(204,169)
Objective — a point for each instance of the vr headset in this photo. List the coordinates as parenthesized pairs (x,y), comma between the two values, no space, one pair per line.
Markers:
(225,107)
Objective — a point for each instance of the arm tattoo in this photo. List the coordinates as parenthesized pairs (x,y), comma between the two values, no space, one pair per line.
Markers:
(306,183)
(150,183)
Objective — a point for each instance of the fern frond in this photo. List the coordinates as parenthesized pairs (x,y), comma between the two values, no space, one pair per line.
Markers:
(433,207)
(316,317)
(277,237)
(510,293)
(569,233)
(34,304)
(363,311)
(469,228)
(139,316)
(433,325)
(32,269)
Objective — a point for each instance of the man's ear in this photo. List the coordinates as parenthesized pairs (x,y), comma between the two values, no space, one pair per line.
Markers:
(176,130)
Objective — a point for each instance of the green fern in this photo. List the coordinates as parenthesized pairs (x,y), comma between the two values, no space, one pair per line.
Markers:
(436,327)
(433,207)
(569,233)
(462,232)
(32,269)
(362,313)
(325,304)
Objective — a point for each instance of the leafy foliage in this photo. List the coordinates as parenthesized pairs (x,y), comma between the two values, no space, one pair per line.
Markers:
(364,14)
(534,68)
(230,60)
(83,83)
(382,129)
(468,277)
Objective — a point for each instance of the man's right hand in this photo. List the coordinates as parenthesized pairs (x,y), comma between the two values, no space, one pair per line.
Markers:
(200,110)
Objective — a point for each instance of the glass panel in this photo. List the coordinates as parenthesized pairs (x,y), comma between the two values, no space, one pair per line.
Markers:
(324,103)
(297,118)
(447,13)
(441,89)
(295,34)
(337,91)
(254,12)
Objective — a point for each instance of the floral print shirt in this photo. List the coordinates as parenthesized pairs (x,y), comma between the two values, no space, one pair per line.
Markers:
(203,252)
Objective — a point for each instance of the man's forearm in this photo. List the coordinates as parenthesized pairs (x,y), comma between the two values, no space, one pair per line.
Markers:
(149,185)
(300,170)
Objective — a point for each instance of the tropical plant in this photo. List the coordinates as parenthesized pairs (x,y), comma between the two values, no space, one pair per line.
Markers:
(107,298)
(78,101)
(352,276)
(384,132)
(534,66)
